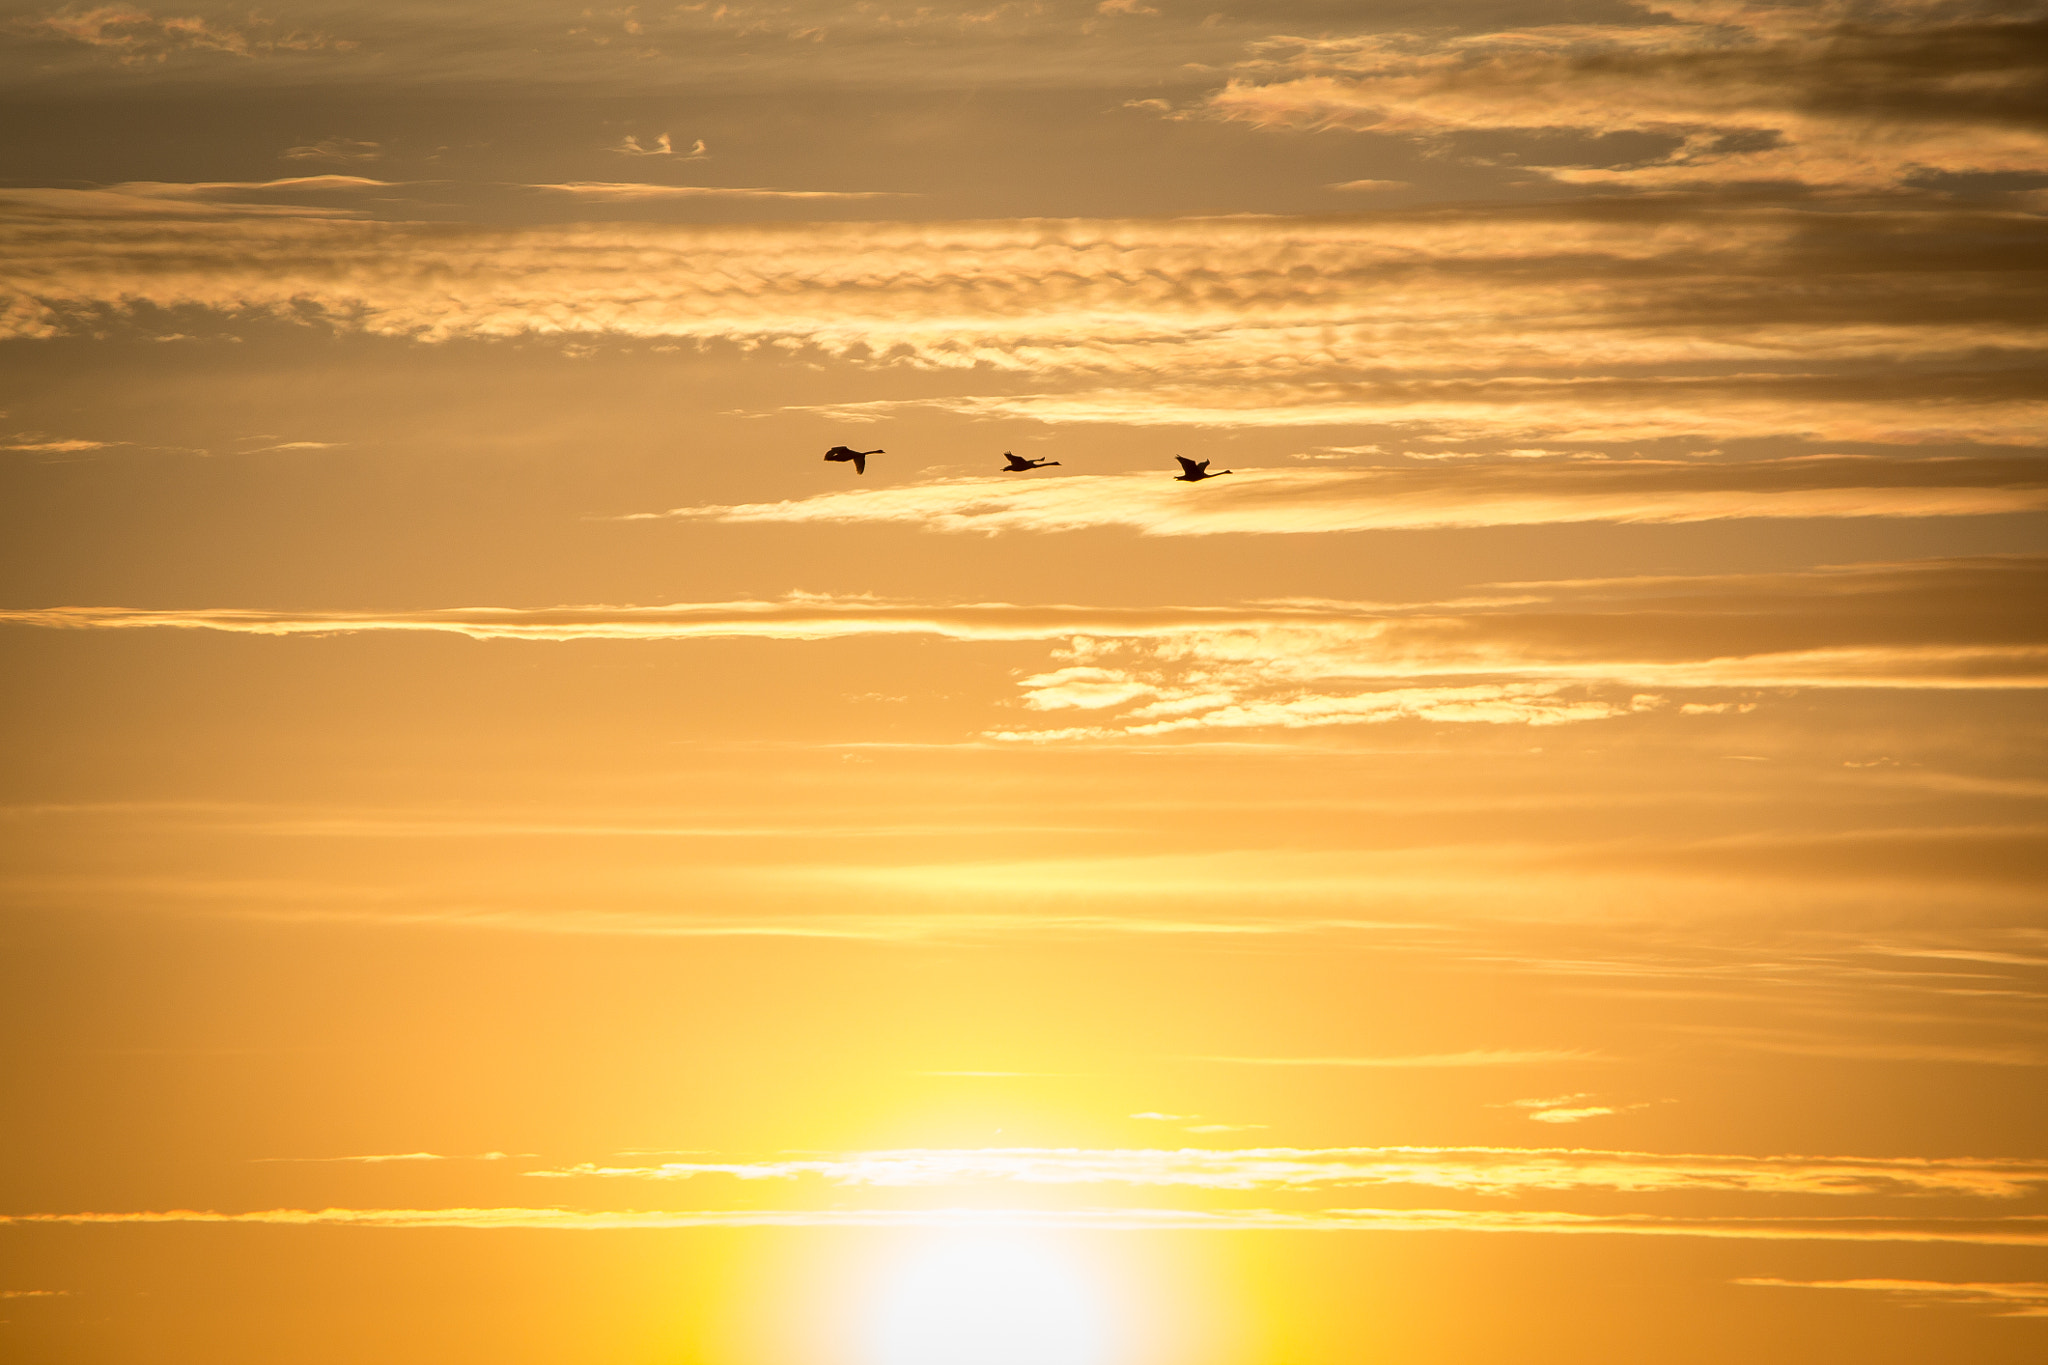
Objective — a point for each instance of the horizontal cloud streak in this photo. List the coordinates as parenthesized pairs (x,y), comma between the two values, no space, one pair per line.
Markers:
(1411,498)
(529,45)
(1483,1170)
(610,192)
(381,1158)
(2019,1231)
(2021,1300)
(1424,1061)
(1537,654)
(1591,321)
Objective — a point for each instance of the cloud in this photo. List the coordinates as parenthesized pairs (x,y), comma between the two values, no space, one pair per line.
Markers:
(661,146)
(1531,324)
(1513,493)
(1566,1109)
(1585,408)
(1432,1060)
(2015,1231)
(612,192)
(34,1293)
(1367,186)
(912,928)
(1571,1115)
(334,149)
(461,45)
(1471,1170)
(342,197)
(398,1156)
(2017,1300)
(60,447)
(137,38)
(1565,654)
(159,199)
(1535,654)
(1867,96)
(1797,1044)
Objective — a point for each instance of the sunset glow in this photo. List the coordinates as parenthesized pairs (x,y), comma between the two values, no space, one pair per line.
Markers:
(1029,682)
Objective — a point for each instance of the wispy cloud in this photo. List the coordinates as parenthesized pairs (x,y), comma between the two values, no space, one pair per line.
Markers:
(70,447)
(662,145)
(331,198)
(1804,1043)
(1427,1060)
(1611,409)
(1533,654)
(910,928)
(1579,1115)
(651,51)
(2014,1300)
(613,192)
(334,149)
(1479,1170)
(1514,493)
(291,197)
(1583,321)
(400,1156)
(138,38)
(1566,1108)
(2016,1231)
(1866,96)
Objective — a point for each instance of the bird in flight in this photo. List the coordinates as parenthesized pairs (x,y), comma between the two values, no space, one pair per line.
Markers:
(1017,463)
(841,454)
(1190,472)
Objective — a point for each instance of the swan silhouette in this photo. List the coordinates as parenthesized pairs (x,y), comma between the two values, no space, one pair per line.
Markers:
(1017,463)
(1190,472)
(841,454)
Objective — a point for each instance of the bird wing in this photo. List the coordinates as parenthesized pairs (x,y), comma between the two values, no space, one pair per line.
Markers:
(1188,466)
(860,464)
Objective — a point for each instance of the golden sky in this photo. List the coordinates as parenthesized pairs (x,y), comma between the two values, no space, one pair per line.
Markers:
(512,859)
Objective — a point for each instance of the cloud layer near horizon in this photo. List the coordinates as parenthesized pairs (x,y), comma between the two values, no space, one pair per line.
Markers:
(2023,1230)
(1481,1170)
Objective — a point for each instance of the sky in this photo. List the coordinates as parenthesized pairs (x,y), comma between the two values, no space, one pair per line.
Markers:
(513,859)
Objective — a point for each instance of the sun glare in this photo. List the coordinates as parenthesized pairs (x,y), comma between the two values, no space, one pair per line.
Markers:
(988,1298)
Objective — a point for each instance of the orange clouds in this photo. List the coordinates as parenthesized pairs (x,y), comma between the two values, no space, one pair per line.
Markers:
(1411,498)
(1495,1171)
(1825,95)
(2023,1300)
(1538,654)
(1590,321)
(2013,1231)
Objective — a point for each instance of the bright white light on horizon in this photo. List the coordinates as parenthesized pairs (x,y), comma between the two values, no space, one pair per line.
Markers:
(988,1298)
